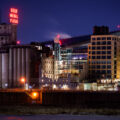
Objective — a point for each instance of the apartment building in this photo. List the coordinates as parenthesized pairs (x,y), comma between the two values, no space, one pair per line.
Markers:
(104,58)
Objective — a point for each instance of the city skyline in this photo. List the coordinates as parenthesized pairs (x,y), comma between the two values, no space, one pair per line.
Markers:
(69,18)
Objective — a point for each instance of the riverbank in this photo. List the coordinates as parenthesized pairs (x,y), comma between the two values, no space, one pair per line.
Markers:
(37,110)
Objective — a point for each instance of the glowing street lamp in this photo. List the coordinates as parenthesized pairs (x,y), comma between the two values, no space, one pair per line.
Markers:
(34,95)
(22,80)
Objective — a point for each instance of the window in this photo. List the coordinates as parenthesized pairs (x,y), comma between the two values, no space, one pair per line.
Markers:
(108,38)
(98,48)
(103,38)
(108,57)
(109,71)
(108,47)
(109,42)
(108,52)
(93,43)
(108,66)
(93,38)
(103,72)
(103,57)
(103,47)
(93,52)
(98,43)
(98,66)
(93,48)
(103,66)
(93,57)
(98,38)
(108,62)
(2,38)
(104,43)
(98,52)
(98,57)
(103,52)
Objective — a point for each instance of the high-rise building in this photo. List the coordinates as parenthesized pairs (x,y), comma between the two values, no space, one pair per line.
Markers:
(104,58)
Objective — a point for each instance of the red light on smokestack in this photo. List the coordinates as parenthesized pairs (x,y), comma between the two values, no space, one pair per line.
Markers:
(13,16)
(60,42)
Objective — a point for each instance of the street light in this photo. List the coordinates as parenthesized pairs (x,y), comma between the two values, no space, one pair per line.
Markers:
(34,95)
(22,80)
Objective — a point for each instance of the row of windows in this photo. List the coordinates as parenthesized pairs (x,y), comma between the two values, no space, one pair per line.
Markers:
(100,52)
(102,72)
(102,43)
(101,66)
(100,57)
(103,38)
(101,47)
(100,62)
(4,38)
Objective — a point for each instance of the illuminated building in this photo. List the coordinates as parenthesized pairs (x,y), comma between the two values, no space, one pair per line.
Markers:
(69,60)
(104,57)
(48,67)
(74,63)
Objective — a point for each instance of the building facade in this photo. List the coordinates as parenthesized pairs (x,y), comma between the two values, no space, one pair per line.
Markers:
(104,58)
(8,34)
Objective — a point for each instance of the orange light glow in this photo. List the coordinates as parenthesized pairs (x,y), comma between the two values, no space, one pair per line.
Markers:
(22,80)
(34,95)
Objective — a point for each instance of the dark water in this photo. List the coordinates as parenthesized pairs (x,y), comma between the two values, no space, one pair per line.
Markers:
(60,117)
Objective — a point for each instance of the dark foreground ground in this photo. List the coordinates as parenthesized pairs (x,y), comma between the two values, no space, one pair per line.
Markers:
(52,110)
(60,117)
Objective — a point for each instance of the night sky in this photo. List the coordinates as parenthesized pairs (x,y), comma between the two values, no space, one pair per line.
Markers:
(41,20)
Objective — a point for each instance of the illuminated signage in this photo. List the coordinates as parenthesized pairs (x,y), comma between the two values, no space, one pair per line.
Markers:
(13,16)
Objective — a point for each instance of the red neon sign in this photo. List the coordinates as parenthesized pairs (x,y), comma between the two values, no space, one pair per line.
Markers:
(13,10)
(13,16)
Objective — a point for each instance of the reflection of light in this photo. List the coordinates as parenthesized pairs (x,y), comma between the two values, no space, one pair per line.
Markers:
(65,87)
(80,58)
(54,86)
(46,84)
(74,58)
(30,87)
(6,84)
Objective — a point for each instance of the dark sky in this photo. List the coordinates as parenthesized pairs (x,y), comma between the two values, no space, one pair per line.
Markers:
(41,20)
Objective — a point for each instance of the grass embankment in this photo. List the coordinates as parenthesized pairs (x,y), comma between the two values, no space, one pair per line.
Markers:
(36,110)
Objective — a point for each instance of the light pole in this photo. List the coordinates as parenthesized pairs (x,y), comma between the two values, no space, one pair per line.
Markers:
(22,80)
